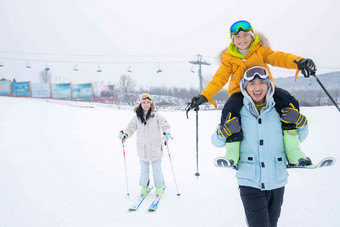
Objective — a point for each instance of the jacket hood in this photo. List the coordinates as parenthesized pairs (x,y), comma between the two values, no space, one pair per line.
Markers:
(247,101)
(260,38)
(263,40)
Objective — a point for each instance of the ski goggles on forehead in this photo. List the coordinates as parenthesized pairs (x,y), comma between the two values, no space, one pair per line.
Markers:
(240,25)
(251,73)
(146,96)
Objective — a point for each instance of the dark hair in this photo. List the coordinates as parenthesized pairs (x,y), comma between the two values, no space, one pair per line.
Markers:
(140,113)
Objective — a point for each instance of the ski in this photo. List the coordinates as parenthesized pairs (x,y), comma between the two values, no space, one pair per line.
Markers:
(323,163)
(135,206)
(224,163)
(154,205)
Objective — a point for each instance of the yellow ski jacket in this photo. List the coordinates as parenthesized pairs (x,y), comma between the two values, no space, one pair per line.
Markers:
(233,65)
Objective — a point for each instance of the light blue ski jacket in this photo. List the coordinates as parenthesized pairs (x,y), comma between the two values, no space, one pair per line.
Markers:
(262,161)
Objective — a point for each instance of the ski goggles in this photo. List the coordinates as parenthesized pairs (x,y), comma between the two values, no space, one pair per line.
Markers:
(241,25)
(146,96)
(251,73)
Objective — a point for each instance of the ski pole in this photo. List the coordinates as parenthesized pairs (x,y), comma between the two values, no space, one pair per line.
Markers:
(126,177)
(197,173)
(331,98)
(173,172)
(187,109)
(306,74)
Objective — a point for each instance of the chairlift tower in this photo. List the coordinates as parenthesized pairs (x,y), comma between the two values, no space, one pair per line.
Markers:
(199,62)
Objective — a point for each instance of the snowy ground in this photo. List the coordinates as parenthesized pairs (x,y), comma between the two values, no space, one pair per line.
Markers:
(63,166)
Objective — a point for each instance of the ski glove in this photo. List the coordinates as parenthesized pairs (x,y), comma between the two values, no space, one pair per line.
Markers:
(293,116)
(307,67)
(197,100)
(166,136)
(305,161)
(122,135)
(230,126)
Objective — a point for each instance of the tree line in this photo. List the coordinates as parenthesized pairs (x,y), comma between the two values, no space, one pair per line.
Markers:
(128,92)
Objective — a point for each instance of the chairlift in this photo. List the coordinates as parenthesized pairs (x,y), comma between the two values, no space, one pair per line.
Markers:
(28,65)
(192,70)
(75,68)
(158,70)
(1,64)
(129,69)
(99,69)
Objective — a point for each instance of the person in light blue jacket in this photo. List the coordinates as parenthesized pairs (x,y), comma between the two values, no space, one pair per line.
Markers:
(261,168)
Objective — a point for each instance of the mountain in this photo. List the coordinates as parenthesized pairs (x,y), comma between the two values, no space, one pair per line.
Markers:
(329,80)
(309,92)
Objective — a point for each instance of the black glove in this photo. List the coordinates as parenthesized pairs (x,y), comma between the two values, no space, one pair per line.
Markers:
(305,161)
(229,127)
(122,135)
(293,116)
(197,100)
(307,67)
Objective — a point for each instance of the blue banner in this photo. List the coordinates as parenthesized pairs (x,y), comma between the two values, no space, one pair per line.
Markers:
(61,91)
(81,91)
(5,87)
(21,89)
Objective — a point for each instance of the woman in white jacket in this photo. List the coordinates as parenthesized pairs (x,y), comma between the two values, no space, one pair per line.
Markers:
(148,124)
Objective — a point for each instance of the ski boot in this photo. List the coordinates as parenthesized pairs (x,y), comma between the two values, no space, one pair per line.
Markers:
(293,151)
(232,153)
(231,156)
(144,191)
(159,191)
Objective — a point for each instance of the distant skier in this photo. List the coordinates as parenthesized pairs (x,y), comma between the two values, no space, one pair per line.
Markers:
(246,50)
(148,124)
(262,173)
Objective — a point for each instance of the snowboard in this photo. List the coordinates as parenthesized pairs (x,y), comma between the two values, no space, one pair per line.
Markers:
(329,161)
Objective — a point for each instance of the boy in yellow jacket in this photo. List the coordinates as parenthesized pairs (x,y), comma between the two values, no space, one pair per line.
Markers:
(247,50)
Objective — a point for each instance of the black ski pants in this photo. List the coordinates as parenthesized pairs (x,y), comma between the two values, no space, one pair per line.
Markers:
(262,208)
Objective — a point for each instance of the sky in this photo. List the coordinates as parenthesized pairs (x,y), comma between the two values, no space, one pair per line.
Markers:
(144,36)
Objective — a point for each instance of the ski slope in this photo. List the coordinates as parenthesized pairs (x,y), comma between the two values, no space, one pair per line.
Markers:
(62,165)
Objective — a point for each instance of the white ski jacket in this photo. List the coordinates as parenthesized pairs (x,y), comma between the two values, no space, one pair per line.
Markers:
(149,136)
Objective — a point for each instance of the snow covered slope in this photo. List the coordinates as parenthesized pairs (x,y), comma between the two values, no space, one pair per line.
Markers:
(63,166)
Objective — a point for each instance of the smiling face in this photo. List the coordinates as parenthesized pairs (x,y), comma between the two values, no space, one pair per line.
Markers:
(146,104)
(257,89)
(242,40)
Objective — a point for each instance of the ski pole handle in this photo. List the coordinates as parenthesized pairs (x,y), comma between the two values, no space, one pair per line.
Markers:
(167,136)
